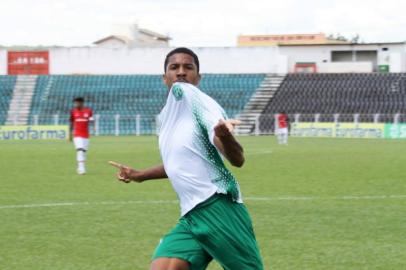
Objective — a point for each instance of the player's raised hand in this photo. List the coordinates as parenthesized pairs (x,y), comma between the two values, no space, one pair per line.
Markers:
(225,127)
(125,174)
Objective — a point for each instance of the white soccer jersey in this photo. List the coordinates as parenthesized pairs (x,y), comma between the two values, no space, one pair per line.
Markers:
(192,162)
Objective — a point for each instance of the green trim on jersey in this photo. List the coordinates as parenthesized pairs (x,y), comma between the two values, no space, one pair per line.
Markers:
(177,92)
(221,176)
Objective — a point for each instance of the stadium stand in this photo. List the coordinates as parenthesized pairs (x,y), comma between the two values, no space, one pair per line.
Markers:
(344,94)
(6,92)
(107,95)
(130,95)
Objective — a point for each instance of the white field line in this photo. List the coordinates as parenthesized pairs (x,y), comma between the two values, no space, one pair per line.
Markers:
(255,199)
(83,203)
(260,152)
(309,198)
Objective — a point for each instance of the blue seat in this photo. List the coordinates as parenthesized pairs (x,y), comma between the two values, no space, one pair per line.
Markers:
(131,95)
(7,84)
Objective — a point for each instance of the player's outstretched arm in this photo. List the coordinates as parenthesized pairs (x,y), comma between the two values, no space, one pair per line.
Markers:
(127,174)
(226,142)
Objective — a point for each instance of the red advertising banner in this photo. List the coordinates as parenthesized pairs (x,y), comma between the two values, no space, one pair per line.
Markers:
(28,63)
(305,68)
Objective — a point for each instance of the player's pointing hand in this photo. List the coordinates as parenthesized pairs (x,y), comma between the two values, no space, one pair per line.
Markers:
(225,127)
(126,174)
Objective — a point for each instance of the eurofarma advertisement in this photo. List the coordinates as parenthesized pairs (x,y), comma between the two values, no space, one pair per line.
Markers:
(34,132)
(349,130)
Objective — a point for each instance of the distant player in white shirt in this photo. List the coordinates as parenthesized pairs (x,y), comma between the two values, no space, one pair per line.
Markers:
(194,136)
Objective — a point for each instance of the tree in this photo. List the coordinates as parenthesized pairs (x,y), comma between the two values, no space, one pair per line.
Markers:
(354,39)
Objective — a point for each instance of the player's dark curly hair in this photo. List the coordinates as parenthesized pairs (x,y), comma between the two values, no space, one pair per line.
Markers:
(185,51)
(78,99)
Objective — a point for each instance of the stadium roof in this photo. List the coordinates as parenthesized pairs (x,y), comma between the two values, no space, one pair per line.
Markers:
(124,39)
(128,40)
(154,34)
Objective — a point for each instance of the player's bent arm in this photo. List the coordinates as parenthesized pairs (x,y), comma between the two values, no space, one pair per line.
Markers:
(127,174)
(156,172)
(231,149)
(226,143)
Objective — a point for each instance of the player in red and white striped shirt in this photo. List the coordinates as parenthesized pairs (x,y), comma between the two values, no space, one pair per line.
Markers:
(282,128)
(80,118)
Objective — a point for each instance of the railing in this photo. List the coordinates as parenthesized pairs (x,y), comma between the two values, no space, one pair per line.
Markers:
(337,125)
(265,123)
(103,124)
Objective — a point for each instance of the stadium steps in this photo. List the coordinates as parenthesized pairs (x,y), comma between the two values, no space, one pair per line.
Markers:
(258,103)
(20,103)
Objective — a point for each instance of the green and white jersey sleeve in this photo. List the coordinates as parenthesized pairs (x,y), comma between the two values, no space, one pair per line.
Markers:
(192,162)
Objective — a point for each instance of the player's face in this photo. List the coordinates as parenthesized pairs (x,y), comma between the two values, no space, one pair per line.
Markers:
(78,104)
(181,68)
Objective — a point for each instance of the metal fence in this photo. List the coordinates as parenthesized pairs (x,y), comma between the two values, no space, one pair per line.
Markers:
(103,124)
(265,123)
(262,124)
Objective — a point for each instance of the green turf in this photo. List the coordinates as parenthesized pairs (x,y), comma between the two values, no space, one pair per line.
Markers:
(297,196)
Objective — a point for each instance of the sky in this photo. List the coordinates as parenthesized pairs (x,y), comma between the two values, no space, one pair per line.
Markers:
(197,22)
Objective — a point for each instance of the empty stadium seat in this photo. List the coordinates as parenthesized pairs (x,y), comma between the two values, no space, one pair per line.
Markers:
(7,84)
(346,94)
(130,95)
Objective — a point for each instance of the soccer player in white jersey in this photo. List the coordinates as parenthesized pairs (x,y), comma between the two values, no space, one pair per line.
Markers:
(194,136)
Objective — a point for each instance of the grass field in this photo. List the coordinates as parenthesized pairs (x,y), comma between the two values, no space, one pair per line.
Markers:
(316,204)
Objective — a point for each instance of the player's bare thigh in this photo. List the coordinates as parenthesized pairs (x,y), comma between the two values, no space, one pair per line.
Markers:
(169,264)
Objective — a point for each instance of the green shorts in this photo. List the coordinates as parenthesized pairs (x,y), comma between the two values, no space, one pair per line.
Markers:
(217,229)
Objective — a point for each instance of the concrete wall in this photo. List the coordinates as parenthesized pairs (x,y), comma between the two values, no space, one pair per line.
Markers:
(345,67)
(296,54)
(150,60)
(3,62)
(395,62)
(322,54)
(94,60)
